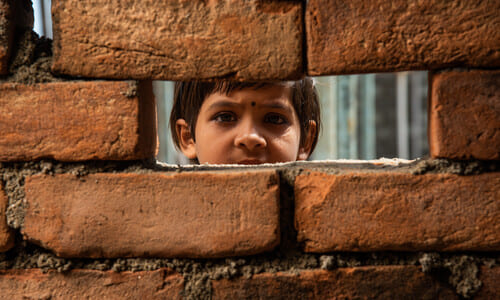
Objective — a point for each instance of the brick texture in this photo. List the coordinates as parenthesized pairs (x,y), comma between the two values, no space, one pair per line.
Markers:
(6,234)
(362,36)
(490,288)
(74,121)
(179,40)
(381,282)
(89,284)
(156,215)
(401,212)
(464,115)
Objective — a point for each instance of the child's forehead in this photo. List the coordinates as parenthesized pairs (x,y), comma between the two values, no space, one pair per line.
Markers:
(227,87)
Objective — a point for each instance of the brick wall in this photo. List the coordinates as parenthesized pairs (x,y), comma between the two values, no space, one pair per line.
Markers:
(86,211)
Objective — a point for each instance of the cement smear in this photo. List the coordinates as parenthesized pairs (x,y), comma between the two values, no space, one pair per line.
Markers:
(460,271)
(447,166)
(32,60)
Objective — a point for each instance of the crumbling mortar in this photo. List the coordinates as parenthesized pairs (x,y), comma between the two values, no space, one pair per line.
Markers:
(459,270)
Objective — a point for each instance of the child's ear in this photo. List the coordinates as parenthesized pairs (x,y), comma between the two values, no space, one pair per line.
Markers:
(305,149)
(186,141)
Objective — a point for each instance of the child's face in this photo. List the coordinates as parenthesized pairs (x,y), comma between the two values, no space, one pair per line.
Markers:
(248,126)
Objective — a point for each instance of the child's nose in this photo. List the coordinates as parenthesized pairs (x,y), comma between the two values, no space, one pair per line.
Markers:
(250,138)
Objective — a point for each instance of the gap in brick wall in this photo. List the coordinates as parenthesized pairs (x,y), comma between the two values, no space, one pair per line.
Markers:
(365,116)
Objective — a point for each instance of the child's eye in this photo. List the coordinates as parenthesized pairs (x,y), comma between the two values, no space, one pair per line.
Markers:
(224,117)
(276,119)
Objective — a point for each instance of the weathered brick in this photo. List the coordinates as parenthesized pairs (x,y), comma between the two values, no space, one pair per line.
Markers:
(179,40)
(13,14)
(490,277)
(6,234)
(464,115)
(362,36)
(74,121)
(90,284)
(157,215)
(381,282)
(390,211)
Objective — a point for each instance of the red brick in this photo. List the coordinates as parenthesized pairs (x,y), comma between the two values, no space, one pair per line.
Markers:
(90,284)
(464,115)
(401,212)
(6,234)
(490,277)
(360,36)
(74,121)
(158,215)
(179,40)
(381,282)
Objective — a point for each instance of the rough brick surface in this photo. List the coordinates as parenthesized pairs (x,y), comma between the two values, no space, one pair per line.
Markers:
(6,234)
(362,36)
(388,211)
(464,115)
(156,215)
(490,277)
(381,282)
(74,121)
(178,40)
(89,284)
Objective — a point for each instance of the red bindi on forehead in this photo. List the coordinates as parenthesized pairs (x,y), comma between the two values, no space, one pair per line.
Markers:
(253,103)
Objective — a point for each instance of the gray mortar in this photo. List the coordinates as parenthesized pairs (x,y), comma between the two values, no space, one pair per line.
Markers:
(458,270)
(132,89)
(32,60)
(292,169)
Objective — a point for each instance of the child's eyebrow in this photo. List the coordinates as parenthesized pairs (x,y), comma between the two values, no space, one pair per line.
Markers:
(277,105)
(273,104)
(219,104)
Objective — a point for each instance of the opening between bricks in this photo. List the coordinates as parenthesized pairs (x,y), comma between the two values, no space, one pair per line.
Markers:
(89,211)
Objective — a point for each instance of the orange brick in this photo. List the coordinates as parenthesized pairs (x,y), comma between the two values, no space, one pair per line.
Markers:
(74,121)
(464,115)
(490,288)
(158,215)
(6,234)
(401,212)
(89,284)
(360,36)
(179,40)
(381,282)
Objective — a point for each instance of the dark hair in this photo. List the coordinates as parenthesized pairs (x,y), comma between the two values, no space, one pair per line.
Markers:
(189,96)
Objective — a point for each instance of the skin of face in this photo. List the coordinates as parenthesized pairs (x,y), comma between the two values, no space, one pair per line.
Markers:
(247,126)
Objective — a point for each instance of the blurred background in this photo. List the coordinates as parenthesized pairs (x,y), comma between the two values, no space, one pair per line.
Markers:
(364,116)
